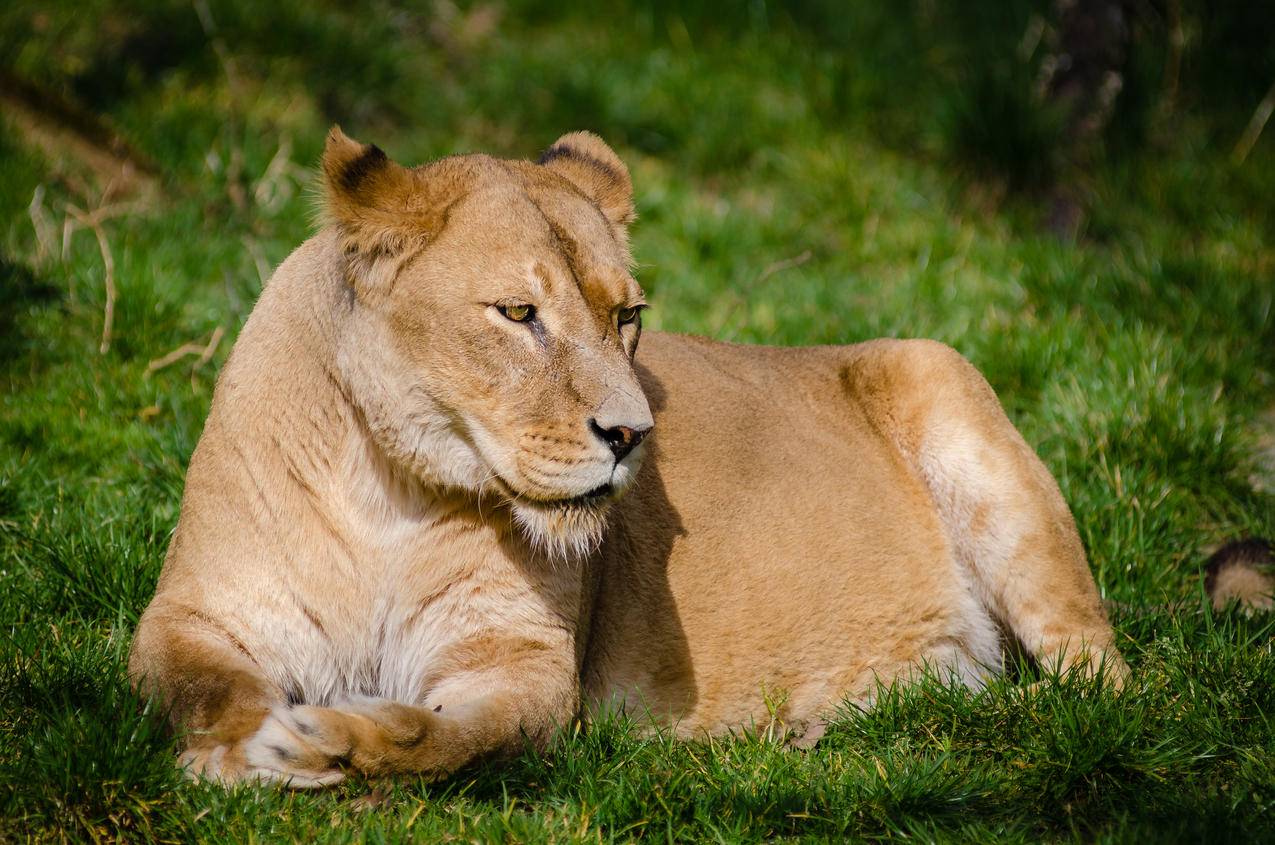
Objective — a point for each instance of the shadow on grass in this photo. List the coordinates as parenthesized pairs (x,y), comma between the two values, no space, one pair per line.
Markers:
(20,289)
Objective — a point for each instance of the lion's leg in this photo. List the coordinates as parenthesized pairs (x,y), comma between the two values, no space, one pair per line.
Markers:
(479,712)
(1003,513)
(216,695)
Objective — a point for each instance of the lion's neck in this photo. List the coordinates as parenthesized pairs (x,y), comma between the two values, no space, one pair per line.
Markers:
(303,387)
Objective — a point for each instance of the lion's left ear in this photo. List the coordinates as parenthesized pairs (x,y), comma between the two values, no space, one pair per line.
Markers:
(587,162)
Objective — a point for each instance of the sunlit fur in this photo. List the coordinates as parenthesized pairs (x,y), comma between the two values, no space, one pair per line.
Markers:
(466,398)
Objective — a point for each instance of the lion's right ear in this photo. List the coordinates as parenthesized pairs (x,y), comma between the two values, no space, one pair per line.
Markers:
(381,209)
(587,162)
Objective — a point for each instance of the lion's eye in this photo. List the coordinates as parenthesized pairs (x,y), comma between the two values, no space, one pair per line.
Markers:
(627,315)
(517,313)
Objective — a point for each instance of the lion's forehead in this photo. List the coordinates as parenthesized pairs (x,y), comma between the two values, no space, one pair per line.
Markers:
(587,253)
(549,238)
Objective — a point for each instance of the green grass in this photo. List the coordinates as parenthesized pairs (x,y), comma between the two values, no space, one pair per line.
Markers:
(1135,360)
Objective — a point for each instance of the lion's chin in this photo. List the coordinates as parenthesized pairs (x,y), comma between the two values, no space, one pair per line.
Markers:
(563,531)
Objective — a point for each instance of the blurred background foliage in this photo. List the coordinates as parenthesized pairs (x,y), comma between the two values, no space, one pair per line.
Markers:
(955,79)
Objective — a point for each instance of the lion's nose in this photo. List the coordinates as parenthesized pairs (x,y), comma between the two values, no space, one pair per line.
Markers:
(621,438)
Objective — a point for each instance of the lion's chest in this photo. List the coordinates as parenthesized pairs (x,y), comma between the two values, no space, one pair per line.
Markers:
(392,628)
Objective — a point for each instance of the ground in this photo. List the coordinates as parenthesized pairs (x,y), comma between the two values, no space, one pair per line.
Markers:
(792,188)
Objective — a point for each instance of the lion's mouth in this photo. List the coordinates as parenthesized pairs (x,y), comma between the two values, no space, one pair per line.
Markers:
(589,499)
(593,497)
(602,491)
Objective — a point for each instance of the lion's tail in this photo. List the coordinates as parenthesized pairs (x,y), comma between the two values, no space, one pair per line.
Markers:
(1242,572)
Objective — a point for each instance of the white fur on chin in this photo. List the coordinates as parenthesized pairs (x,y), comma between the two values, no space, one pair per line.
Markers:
(574,531)
(563,533)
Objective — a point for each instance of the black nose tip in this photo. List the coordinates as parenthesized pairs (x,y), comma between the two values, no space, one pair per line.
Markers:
(621,438)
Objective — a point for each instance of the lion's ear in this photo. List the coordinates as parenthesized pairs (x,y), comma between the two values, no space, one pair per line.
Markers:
(382,210)
(587,162)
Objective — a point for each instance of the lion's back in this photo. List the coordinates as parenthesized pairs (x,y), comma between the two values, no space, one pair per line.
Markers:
(773,538)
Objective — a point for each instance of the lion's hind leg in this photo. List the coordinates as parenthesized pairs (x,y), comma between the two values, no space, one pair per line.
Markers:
(1002,511)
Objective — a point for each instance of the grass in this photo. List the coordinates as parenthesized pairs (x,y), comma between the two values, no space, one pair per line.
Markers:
(1136,360)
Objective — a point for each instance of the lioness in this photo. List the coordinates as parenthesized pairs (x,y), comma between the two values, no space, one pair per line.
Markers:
(442,503)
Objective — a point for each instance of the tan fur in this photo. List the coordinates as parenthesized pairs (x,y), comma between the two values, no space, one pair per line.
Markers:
(1240,573)
(386,558)
(1251,589)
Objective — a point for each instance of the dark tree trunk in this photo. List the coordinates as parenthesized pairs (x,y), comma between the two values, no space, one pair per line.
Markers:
(1083,74)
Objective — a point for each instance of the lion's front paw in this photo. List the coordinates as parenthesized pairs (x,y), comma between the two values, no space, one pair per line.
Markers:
(212,761)
(226,764)
(300,747)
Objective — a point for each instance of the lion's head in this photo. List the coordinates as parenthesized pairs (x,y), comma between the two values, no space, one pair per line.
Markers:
(491,323)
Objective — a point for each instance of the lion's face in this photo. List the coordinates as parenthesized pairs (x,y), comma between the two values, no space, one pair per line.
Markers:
(493,326)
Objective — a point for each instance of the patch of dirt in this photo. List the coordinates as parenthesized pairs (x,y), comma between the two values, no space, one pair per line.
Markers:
(69,135)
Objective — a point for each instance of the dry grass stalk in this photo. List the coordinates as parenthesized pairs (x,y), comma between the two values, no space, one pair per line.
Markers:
(43,224)
(93,222)
(258,259)
(747,291)
(1255,126)
(205,351)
